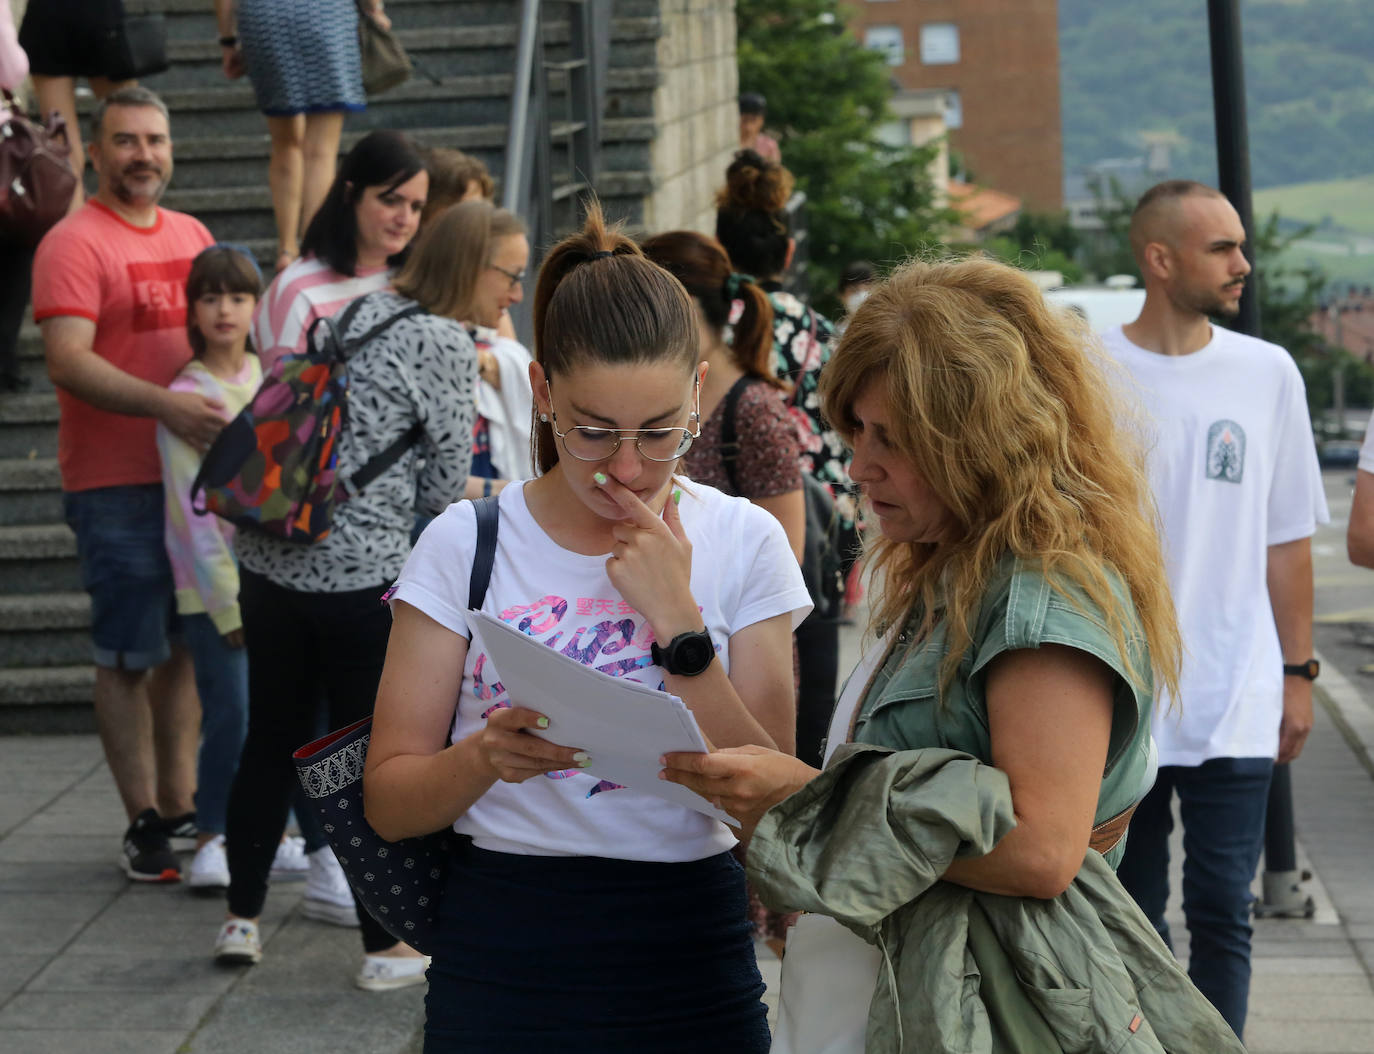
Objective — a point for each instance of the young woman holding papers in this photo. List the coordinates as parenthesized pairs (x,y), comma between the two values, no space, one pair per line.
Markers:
(581,912)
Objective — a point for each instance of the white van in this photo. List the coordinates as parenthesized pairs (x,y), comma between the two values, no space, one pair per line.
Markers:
(1103,306)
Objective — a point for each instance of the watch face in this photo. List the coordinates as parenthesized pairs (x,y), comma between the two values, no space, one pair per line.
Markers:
(693,654)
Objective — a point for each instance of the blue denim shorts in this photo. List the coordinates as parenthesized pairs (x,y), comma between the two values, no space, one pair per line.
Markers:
(124,567)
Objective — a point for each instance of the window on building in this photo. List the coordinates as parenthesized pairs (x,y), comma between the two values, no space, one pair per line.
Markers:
(939,44)
(888,40)
(954,109)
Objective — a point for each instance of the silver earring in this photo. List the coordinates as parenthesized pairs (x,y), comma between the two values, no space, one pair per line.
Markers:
(544,418)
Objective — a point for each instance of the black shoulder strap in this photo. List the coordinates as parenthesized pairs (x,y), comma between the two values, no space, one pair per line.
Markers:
(388,455)
(729,440)
(383,459)
(488,522)
(381,327)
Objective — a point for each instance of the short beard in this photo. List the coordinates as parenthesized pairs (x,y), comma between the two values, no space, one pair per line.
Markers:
(129,197)
(1209,304)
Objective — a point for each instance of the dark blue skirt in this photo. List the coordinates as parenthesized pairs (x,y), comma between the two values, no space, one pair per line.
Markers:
(543,953)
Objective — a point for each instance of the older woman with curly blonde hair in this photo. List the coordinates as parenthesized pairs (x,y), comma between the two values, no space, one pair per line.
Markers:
(956,852)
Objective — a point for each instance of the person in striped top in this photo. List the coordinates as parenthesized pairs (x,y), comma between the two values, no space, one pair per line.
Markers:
(358,238)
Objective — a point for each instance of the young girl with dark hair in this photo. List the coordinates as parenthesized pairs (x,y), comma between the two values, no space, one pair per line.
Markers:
(358,238)
(577,911)
(221,293)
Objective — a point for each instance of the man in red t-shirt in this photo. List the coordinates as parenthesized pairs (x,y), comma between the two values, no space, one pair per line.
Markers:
(109,294)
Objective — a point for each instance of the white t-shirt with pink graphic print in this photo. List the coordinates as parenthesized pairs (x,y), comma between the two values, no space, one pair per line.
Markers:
(742,573)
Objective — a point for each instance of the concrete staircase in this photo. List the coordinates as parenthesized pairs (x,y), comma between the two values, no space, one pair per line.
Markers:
(461,99)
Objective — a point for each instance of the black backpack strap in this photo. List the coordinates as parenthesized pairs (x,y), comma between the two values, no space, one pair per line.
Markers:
(488,512)
(391,453)
(381,327)
(729,439)
(383,460)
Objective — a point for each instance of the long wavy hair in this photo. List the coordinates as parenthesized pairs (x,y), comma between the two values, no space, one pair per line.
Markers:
(1003,407)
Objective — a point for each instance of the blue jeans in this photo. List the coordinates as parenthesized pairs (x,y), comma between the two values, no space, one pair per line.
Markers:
(124,567)
(1222,804)
(222,682)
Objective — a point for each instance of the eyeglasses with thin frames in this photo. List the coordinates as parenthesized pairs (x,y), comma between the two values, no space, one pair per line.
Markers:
(516,277)
(586,443)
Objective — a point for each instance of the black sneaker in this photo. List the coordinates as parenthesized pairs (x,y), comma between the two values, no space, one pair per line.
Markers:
(181,830)
(147,855)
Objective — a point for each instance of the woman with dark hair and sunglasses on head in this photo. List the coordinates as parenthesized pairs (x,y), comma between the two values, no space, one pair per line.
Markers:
(578,912)
(358,238)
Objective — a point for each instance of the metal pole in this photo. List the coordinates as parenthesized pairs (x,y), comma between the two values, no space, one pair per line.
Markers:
(1280,882)
(1233,139)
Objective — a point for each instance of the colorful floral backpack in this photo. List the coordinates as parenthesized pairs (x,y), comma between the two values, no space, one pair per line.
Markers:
(272,468)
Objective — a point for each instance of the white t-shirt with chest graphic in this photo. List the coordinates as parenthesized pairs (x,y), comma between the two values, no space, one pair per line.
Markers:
(742,573)
(1234,470)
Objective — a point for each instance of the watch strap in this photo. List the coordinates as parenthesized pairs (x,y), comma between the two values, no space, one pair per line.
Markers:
(1309,669)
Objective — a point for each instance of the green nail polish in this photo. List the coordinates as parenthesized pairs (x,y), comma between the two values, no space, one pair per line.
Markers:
(584,764)
(582,755)
(600,477)
(677,497)
(543,722)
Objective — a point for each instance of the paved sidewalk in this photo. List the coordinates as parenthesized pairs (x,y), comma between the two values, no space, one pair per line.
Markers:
(98,965)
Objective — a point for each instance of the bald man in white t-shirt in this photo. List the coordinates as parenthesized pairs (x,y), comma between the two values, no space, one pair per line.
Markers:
(1234,473)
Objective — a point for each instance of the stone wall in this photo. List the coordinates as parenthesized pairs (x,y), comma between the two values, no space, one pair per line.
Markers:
(696,114)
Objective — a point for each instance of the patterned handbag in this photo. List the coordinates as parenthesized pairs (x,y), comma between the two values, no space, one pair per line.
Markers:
(400,883)
(273,467)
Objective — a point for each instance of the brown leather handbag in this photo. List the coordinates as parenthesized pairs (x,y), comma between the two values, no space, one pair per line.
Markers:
(36,181)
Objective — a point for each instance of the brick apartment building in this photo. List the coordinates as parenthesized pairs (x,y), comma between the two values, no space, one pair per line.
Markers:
(997,64)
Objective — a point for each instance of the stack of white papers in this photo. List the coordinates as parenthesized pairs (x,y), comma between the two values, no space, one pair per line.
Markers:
(624,725)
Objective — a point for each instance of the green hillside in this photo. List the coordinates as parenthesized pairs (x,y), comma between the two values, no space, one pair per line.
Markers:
(1352,200)
(1129,68)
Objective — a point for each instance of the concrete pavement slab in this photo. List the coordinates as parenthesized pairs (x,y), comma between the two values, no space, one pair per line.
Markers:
(1309,1006)
(17,969)
(75,877)
(99,1011)
(1310,1037)
(131,970)
(103,1041)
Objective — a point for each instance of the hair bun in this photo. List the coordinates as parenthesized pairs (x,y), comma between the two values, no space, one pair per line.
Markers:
(754,185)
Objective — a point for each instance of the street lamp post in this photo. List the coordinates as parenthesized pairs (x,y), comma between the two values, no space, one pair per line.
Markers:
(1282,894)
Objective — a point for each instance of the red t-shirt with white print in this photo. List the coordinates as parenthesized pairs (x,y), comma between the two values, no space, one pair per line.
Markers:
(131,282)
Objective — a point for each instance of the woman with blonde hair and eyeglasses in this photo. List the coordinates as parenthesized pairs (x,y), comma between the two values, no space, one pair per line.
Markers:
(956,853)
(578,911)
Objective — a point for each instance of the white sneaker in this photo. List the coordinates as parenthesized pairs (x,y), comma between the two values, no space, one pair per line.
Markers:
(327,895)
(381,973)
(210,867)
(238,943)
(290,861)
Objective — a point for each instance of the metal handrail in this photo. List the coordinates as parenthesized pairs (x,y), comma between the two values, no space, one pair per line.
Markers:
(528,186)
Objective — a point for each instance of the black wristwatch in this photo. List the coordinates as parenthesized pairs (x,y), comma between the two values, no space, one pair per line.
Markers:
(1309,669)
(686,655)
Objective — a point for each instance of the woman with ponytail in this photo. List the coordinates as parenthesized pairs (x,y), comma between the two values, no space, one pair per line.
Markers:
(578,912)
(753,225)
(748,446)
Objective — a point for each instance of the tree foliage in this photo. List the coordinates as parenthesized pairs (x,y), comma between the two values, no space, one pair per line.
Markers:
(827,98)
